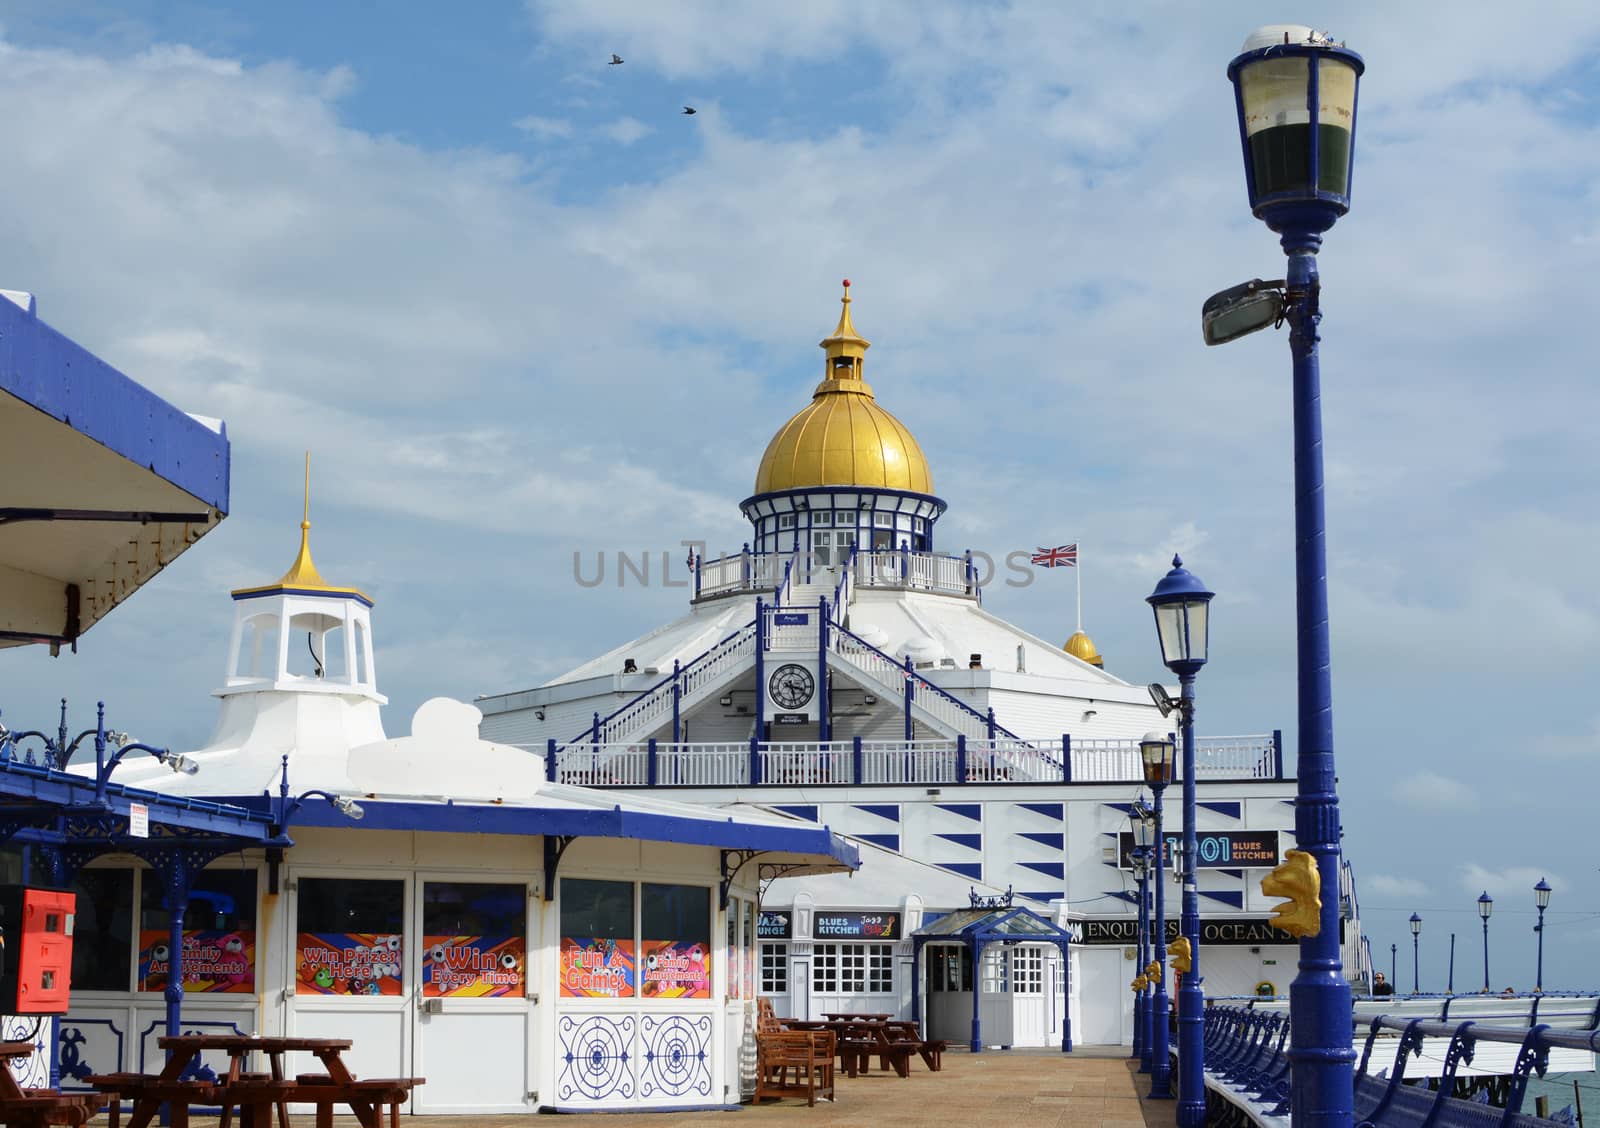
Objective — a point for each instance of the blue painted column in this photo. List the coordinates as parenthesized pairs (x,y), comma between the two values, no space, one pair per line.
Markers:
(977,990)
(1140,960)
(1321,1054)
(1066,995)
(677,701)
(1191,999)
(824,706)
(550,759)
(1147,953)
(1160,1058)
(910,674)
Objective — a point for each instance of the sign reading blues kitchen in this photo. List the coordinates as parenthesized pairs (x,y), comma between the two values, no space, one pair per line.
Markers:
(857,926)
(1215,849)
(1241,931)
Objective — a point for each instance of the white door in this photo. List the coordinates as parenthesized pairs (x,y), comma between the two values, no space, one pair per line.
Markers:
(1102,994)
(474,1014)
(995,1010)
(347,971)
(1029,1002)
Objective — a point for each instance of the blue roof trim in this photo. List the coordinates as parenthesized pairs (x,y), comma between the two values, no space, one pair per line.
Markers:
(1053,841)
(613,822)
(973,811)
(1057,811)
(1231,808)
(67,792)
(281,590)
(970,841)
(53,374)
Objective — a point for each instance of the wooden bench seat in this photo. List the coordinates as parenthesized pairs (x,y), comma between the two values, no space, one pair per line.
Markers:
(39,1107)
(380,1092)
(808,1052)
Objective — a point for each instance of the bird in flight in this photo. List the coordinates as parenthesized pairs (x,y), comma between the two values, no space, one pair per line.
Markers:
(616,61)
(690,110)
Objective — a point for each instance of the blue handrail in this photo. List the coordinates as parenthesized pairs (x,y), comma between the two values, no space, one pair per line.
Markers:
(983,718)
(585,736)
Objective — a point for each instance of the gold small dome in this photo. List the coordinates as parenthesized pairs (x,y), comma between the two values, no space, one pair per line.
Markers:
(1081,646)
(302,575)
(843,438)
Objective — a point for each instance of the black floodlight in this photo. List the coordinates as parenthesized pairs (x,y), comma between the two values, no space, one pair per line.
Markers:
(1241,310)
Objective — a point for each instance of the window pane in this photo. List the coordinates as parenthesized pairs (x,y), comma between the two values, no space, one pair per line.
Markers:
(350,936)
(474,939)
(774,969)
(597,953)
(219,933)
(675,941)
(102,933)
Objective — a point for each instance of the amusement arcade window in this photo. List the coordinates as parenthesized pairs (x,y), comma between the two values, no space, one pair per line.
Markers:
(219,933)
(349,936)
(603,956)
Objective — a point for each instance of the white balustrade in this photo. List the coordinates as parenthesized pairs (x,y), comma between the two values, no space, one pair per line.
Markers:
(919,571)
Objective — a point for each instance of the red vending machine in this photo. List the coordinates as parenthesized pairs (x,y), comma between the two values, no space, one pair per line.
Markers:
(36,932)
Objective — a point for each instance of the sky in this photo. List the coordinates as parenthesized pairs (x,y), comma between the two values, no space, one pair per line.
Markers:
(519,307)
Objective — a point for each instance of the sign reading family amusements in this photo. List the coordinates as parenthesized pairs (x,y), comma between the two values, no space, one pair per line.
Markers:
(1215,849)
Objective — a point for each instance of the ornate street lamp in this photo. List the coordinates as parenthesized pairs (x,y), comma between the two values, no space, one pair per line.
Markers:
(1182,608)
(1295,93)
(1143,832)
(1394,950)
(1541,901)
(1416,940)
(1156,752)
(1485,908)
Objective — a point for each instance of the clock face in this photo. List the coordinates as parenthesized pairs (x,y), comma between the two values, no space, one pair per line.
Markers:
(791,686)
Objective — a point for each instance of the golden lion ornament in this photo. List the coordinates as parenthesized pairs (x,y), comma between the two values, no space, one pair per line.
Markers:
(1296,878)
(1178,954)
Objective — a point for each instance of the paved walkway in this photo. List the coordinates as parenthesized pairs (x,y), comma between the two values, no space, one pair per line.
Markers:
(1020,1089)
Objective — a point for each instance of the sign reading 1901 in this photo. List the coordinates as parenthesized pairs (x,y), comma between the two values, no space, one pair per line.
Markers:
(1215,849)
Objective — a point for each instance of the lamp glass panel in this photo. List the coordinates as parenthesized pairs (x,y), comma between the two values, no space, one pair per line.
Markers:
(1541,897)
(1199,624)
(1277,123)
(1169,626)
(1336,120)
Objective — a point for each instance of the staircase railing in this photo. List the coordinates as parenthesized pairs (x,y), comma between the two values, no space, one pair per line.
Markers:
(780,594)
(655,703)
(841,590)
(893,676)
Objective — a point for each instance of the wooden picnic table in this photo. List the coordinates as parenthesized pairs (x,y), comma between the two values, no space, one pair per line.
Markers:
(847,1016)
(29,1107)
(256,1095)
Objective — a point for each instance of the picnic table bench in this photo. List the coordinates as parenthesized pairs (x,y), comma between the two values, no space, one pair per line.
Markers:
(255,1095)
(28,1108)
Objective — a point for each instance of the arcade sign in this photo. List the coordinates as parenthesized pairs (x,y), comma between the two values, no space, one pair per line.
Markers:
(1215,849)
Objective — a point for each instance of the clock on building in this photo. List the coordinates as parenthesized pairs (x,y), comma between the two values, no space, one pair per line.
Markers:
(791,686)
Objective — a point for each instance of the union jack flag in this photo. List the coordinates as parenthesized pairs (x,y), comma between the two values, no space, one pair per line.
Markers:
(1064,556)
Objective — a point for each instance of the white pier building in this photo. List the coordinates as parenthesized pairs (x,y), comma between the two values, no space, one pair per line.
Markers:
(843,670)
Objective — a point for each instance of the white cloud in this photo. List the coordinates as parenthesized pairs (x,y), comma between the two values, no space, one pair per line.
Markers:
(1511,882)
(1434,792)
(626,130)
(1379,885)
(544,128)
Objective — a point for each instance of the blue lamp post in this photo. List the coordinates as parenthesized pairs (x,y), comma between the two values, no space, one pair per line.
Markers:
(1485,908)
(1295,93)
(1182,608)
(1143,831)
(1156,751)
(1394,952)
(1416,944)
(1541,901)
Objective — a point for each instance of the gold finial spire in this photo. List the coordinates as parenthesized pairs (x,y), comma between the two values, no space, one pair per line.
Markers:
(304,573)
(845,342)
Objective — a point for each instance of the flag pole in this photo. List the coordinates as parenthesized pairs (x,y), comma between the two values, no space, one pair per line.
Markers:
(1078,570)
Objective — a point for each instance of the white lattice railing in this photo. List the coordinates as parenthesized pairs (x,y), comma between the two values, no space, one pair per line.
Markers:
(891,677)
(919,571)
(742,571)
(922,762)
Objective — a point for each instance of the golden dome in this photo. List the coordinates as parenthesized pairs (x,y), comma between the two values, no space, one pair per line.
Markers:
(843,438)
(1081,646)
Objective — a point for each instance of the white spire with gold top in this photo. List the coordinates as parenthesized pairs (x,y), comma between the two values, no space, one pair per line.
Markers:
(269,620)
(843,437)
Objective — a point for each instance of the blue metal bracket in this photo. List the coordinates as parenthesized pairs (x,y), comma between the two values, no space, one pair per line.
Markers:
(1533,1056)
(554,846)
